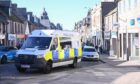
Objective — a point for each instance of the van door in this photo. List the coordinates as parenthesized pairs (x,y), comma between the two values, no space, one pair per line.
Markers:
(60,50)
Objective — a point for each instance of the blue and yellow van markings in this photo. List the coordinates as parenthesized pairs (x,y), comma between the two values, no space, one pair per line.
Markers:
(63,54)
(48,56)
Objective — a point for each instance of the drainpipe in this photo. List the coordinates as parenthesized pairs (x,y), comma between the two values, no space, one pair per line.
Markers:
(139,44)
(127,56)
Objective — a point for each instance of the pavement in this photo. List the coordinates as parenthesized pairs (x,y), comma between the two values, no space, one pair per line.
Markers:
(132,69)
(114,61)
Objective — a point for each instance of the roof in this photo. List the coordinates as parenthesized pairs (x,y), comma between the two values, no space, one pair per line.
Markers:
(52,33)
(112,12)
(15,18)
(3,16)
(5,3)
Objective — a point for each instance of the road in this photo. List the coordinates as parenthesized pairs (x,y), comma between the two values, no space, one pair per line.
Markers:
(87,72)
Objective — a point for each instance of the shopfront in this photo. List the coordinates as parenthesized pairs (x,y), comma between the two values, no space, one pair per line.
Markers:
(107,36)
(133,39)
(114,43)
(12,39)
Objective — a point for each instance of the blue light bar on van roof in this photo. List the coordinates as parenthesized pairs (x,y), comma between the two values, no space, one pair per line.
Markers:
(64,34)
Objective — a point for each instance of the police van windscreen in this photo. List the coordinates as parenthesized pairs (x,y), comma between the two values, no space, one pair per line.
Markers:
(37,42)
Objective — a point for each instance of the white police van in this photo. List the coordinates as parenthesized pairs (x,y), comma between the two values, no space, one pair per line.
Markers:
(45,49)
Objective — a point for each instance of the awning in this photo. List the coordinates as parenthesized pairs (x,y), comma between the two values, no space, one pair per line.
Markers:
(21,36)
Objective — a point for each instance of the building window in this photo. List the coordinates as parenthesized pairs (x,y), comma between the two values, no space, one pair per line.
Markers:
(124,2)
(129,4)
(12,29)
(136,2)
(15,28)
(133,4)
(0,28)
(119,7)
(19,28)
(3,28)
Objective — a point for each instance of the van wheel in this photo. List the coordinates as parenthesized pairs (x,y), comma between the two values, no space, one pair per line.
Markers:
(21,69)
(4,60)
(74,64)
(47,68)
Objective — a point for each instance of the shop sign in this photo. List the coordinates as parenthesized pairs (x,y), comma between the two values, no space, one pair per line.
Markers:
(138,21)
(107,34)
(2,36)
(11,37)
(113,34)
(132,22)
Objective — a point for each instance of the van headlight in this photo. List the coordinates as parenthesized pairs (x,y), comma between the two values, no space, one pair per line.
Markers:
(40,56)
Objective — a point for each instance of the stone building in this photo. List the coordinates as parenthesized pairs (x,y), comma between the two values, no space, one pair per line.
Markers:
(129,33)
(15,22)
(45,20)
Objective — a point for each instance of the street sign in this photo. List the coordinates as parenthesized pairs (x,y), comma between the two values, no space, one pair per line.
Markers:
(11,37)
(116,24)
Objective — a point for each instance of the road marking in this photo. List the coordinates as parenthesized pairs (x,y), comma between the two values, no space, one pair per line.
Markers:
(99,74)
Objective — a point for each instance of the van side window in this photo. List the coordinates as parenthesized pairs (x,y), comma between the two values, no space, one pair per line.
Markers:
(65,42)
(54,44)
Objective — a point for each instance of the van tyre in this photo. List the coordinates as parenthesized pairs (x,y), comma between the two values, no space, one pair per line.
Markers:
(21,70)
(47,68)
(74,65)
(4,60)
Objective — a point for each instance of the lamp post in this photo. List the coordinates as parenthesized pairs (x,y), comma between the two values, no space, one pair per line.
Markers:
(139,43)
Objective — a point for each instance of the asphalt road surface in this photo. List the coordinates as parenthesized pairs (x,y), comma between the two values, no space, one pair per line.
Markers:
(87,72)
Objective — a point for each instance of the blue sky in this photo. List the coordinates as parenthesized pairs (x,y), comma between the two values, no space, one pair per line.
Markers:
(65,12)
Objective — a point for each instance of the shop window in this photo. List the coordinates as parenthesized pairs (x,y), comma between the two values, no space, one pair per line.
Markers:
(136,35)
(4,28)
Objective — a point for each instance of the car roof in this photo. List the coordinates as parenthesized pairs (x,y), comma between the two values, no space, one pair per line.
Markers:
(89,47)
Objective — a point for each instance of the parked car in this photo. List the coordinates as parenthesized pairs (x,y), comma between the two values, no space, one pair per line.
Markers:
(7,54)
(90,53)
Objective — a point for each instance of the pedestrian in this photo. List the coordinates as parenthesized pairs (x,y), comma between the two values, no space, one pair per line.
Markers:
(101,50)
(97,48)
(83,44)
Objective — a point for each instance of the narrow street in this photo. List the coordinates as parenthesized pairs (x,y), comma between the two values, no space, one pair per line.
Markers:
(87,72)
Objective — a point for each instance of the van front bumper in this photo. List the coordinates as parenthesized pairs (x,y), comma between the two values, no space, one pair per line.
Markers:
(36,63)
